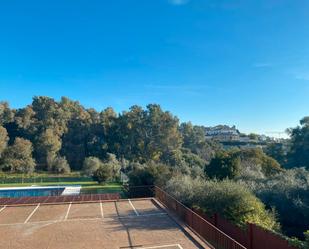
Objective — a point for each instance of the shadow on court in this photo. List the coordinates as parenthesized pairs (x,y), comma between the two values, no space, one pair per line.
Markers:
(148,227)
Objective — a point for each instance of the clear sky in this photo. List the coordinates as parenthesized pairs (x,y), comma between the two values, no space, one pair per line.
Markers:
(239,62)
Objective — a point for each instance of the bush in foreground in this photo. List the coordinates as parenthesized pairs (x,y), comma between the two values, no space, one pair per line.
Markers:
(288,193)
(227,198)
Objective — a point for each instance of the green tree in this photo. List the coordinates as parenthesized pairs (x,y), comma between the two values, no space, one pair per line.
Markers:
(102,174)
(150,173)
(233,163)
(298,155)
(236,203)
(287,192)
(84,135)
(257,158)
(162,137)
(6,114)
(115,166)
(143,135)
(18,157)
(194,139)
(192,159)
(223,165)
(278,151)
(3,139)
(108,119)
(49,114)
(253,136)
(91,165)
(59,165)
(47,146)
(306,234)
(51,120)
(25,119)
(24,125)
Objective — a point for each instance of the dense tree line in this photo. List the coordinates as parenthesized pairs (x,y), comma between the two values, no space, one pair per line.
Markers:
(57,136)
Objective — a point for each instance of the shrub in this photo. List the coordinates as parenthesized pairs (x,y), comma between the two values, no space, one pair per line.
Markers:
(4,138)
(231,164)
(237,204)
(18,157)
(192,159)
(102,174)
(288,193)
(223,165)
(185,189)
(149,174)
(306,234)
(90,165)
(227,198)
(60,165)
(115,166)
(295,242)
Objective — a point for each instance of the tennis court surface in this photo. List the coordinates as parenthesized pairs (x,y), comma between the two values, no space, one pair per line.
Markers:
(122,224)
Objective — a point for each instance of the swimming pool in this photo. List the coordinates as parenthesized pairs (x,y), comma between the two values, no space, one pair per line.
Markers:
(39,191)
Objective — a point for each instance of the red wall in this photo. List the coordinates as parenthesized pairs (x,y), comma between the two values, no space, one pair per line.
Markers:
(253,237)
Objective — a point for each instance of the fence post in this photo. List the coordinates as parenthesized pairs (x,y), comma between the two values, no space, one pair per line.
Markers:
(250,231)
(216,219)
(191,219)
(215,232)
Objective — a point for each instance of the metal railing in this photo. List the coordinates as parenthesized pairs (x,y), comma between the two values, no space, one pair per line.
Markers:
(199,225)
(57,199)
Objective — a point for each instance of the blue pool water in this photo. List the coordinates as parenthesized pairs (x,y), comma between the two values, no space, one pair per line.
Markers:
(31,192)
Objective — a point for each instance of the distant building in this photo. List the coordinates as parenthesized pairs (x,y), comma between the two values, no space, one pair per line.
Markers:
(230,137)
(222,133)
(244,139)
(263,138)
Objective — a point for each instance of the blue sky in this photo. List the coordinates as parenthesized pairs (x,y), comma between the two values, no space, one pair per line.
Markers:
(239,62)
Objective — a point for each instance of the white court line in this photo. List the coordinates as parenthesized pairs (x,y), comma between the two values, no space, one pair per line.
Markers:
(50,221)
(101,207)
(30,215)
(80,219)
(163,246)
(141,215)
(137,214)
(68,211)
(2,209)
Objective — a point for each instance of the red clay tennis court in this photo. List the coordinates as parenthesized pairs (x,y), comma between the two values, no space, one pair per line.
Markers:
(99,224)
